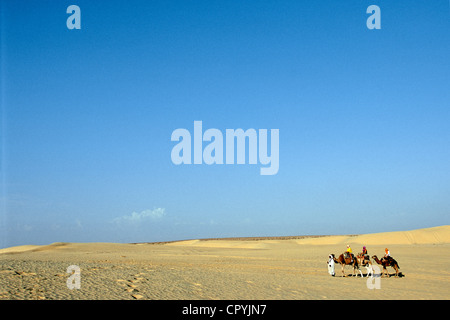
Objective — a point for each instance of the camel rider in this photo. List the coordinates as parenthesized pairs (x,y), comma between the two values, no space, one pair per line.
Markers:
(364,252)
(349,252)
(387,254)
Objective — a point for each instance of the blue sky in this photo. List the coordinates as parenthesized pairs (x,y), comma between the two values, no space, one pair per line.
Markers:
(87,118)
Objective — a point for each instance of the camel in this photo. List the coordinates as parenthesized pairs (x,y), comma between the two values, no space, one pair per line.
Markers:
(364,261)
(347,261)
(390,262)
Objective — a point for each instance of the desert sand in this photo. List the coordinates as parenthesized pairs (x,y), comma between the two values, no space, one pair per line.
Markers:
(283,268)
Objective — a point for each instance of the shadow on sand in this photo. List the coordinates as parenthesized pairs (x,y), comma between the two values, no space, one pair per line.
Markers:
(376,275)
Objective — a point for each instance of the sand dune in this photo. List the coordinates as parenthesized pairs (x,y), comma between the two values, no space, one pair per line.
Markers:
(18,249)
(239,268)
(436,235)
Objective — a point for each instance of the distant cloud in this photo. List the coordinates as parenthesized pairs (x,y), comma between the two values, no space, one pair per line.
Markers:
(78,223)
(27,227)
(138,217)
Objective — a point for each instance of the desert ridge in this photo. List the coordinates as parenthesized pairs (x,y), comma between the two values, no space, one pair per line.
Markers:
(434,235)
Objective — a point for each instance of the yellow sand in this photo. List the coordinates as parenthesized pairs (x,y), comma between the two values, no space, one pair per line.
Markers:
(268,268)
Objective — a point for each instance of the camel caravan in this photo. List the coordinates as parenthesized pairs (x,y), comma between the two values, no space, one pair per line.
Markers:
(362,260)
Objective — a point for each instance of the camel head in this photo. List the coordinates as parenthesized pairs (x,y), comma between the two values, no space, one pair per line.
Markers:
(374,257)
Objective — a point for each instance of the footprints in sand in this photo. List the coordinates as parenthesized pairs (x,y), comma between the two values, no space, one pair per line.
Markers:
(197,289)
(39,280)
(19,283)
(134,284)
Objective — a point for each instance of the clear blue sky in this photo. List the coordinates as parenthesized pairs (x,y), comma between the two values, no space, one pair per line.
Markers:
(87,117)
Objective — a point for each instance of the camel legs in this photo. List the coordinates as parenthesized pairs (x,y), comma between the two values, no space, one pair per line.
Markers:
(343,271)
(385,272)
(396,271)
(369,270)
(354,270)
(356,267)
(360,272)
